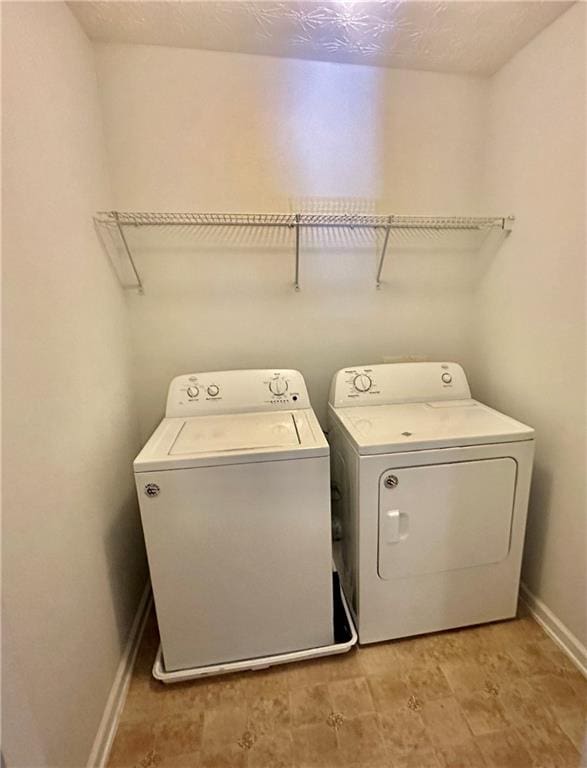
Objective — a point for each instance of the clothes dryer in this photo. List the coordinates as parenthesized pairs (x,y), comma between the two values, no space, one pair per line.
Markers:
(430,499)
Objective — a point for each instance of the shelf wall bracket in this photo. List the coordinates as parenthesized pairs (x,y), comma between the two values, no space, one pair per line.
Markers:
(383,251)
(139,285)
(297,275)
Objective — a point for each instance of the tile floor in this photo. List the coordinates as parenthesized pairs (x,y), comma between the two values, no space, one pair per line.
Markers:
(495,696)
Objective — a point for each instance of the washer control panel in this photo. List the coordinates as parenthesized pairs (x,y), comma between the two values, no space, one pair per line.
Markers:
(399,383)
(197,394)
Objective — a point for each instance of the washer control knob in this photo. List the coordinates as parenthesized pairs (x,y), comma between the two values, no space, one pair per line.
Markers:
(362,382)
(193,391)
(446,377)
(278,386)
(213,390)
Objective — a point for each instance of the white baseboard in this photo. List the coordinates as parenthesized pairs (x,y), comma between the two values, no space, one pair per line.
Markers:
(555,629)
(109,723)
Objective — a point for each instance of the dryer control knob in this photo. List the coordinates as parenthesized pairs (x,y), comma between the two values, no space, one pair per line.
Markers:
(362,382)
(278,386)
(213,390)
(193,391)
(446,377)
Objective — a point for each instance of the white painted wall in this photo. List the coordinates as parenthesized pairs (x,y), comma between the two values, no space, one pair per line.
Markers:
(531,303)
(199,130)
(73,564)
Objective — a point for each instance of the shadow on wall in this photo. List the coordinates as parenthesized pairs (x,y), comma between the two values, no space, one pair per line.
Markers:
(123,544)
(537,527)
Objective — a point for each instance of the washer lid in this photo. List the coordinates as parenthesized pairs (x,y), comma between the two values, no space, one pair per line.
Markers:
(180,443)
(417,426)
(244,431)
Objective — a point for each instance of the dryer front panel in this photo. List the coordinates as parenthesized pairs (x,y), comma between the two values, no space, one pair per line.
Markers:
(445,517)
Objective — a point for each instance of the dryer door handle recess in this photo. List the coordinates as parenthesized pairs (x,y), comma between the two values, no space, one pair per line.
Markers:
(395,526)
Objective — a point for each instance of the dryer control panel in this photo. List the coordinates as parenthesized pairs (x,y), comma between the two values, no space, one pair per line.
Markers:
(398,383)
(199,394)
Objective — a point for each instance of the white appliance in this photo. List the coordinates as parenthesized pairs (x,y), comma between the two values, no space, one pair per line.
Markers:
(234,492)
(430,499)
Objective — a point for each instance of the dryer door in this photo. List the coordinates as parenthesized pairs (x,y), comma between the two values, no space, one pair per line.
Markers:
(443,517)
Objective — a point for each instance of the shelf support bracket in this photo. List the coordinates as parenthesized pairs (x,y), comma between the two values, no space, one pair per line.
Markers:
(297,276)
(139,285)
(383,251)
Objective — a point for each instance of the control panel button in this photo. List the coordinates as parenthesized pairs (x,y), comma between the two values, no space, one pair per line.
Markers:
(362,382)
(278,386)
(446,377)
(213,390)
(193,391)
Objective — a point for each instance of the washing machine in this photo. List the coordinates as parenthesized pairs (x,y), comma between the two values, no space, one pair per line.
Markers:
(234,492)
(430,496)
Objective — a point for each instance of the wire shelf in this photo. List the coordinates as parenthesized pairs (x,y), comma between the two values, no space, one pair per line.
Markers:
(111,229)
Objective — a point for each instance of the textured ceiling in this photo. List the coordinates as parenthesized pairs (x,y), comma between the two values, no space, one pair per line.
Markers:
(467,36)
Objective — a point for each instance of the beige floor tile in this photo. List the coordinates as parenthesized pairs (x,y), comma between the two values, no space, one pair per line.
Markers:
(465,675)
(500,665)
(504,749)
(574,726)
(548,745)
(560,660)
(378,659)
(178,735)
(224,756)
(315,746)
(518,631)
(269,714)
(441,647)
(351,697)
(307,673)
(324,670)
(464,755)
(485,671)
(224,690)
(522,704)
(445,722)
(223,726)
(310,705)
(360,740)
(407,742)
(133,743)
(389,692)
(577,681)
(483,712)
(141,702)
(426,681)
(143,666)
(421,756)
(532,658)
(320,711)
(274,750)
(264,682)
(555,691)
(343,666)
(191,760)
(148,699)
